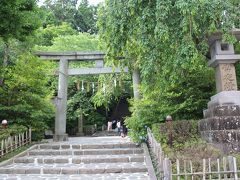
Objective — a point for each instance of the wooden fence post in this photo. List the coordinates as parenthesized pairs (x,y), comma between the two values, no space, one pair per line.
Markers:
(6,146)
(2,148)
(16,142)
(225,167)
(11,143)
(178,169)
(19,140)
(210,168)
(27,140)
(30,135)
(22,135)
(191,169)
(233,166)
(204,169)
(219,169)
(167,169)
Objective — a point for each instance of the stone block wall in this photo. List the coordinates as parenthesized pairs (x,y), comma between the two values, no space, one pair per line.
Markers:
(221,126)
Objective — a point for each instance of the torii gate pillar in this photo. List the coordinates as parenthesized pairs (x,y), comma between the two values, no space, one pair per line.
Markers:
(61,109)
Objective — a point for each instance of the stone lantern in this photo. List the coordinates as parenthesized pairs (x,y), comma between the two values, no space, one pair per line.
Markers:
(4,123)
(221,123)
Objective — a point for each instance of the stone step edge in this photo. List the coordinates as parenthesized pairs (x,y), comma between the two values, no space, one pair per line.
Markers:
(76,160)
(85,146)
(72,171)
(86,152)
(112,176)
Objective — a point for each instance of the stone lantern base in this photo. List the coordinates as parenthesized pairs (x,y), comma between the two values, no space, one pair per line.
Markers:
(62,137)
(221,123)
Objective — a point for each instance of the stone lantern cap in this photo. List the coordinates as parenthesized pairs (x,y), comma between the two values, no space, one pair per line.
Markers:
(222,52)
(169,118)
(4,122)
(218,36)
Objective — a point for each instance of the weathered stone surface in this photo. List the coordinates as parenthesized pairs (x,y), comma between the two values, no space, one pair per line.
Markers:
(113,170)
(76,146)
(137,159)
(65,146)
(76,160)
(48,161)
(45,146)
(63,160)
(66,152)
(55,146)
(78,152)
(23,160)
(220,123)
(70,171)
(51,170)
(222,126)
(134,169)
(33,171)
(19,171)
(6,171)
(220,111)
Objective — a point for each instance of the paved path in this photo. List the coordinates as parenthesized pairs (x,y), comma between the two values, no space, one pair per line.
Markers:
(86,158)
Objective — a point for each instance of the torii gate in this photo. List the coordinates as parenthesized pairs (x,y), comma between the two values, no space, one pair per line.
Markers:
(64,72)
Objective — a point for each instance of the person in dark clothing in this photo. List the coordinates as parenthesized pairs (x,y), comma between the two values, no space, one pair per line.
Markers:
(123,130)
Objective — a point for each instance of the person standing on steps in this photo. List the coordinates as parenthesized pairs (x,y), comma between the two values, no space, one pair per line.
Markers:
(118,127)
(123,130)
(109,125)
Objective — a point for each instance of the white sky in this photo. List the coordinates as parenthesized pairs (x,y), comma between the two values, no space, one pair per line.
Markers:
(94,2)
(91,2)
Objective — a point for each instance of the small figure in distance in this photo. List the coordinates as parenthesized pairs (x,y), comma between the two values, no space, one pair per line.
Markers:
(109,125)
(123,130)
(118,127)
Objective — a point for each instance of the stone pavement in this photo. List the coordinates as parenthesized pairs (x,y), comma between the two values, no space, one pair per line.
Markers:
(86,158)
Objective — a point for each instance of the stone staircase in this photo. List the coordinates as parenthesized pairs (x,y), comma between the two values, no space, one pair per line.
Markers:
(80,158)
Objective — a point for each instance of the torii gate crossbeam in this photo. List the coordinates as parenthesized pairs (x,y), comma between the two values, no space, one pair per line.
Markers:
(64,58)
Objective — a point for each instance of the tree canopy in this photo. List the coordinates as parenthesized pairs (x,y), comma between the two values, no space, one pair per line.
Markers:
(167,40)
(18,19)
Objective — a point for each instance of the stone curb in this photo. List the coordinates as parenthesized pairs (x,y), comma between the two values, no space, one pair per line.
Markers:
(24,153)
(149,164)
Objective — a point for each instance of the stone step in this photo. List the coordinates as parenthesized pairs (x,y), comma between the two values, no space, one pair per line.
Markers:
(106,176)
(86,152)
(100,168)
(86,159)
(87,146)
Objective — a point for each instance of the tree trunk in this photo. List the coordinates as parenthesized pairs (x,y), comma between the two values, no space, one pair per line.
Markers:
(136,83)
(5,60)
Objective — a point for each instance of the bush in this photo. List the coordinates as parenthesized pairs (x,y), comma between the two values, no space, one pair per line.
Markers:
(11,131)
(187,143)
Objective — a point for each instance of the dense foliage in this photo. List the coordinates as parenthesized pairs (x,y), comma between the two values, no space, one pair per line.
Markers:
(24,91)
(25,96)
(167,41)
(81,16)
(18,19)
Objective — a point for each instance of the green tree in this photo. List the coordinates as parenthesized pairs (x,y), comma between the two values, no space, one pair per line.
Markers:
(78,42)
(25,95)
(86,17)
(60,11)
(45,36)
(166,39)
(18,19)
